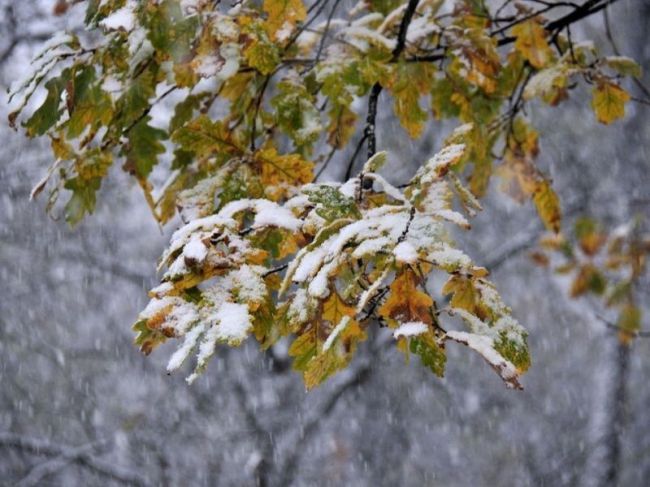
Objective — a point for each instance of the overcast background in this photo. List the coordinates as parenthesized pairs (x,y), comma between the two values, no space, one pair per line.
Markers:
(79,405)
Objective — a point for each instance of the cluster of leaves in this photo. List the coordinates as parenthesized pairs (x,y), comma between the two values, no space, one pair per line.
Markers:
(198,57)
(609,266)
(237,104)
(365,250)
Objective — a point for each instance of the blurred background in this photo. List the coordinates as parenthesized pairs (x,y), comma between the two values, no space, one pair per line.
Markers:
(79,404)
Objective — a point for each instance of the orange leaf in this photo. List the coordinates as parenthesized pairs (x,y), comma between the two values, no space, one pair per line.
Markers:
(406,303)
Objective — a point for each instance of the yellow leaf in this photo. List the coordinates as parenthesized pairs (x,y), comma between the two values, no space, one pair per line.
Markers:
(518,177)
(608,102)
(590,236)
(282,170)
(236,87)
(531,43)
(341,126)
(406,302)
(317,359)
(334,309)
(521,179)
(262,55)
(548,206)
(406,85)
(283,14)
(629,323)
(321,367)
(303,348)
(549,84)
(523,139)
(464,294)
(482,61)
(587,279)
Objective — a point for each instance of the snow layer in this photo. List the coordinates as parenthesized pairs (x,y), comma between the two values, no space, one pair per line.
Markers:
(123,18)
(405,253)
(412,328)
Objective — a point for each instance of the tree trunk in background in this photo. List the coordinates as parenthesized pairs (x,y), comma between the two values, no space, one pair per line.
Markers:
(605,465)
(616,421)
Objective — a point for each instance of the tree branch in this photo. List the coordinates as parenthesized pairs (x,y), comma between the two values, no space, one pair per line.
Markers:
(585,10)
(263,438)
(56,464)
(353,376)
(84,458)
(369,131)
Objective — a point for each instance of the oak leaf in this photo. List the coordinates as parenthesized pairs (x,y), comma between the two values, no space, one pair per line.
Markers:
(531,43)
(608,102)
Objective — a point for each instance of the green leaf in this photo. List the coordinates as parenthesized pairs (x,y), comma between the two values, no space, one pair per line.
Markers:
(261,54)
(441,91)
(624,66)
(432,355)
(146,338)
(303,349)
(135,100)
(88,104)
(83,198)
(170,31)
(629,322)
(331,204)
(296,113)
(144,147)
(184,111)
(50,111)
(514,351)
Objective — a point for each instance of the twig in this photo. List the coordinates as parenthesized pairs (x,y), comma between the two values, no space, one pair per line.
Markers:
(585,10)
(376,89)
(610,38)
(348,171)
(321,45)
(262,435)
(614,326)
(351,377)
(274,270)
(325,163)
(258,104)
(369,131)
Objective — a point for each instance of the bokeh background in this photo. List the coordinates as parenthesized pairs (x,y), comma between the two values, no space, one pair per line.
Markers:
(79,404)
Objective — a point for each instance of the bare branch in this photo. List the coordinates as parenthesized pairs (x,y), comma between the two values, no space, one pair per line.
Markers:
(58,463)
(44,447)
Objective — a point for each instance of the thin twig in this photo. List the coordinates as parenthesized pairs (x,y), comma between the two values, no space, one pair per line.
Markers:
(258,104)
(325,31)
(614,326)
(275,270)
(348,171)
(610,38)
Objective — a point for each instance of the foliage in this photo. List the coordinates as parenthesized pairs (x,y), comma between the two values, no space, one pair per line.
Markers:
(255,95)
(608,266)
